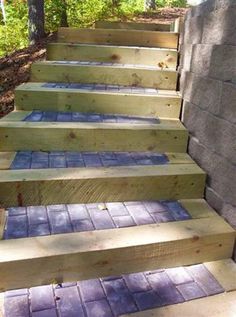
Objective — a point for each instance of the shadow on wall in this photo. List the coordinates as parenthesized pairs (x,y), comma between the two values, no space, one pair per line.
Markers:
(208,85)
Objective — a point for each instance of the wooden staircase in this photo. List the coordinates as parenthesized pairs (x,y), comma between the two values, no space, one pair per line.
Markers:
(126,72)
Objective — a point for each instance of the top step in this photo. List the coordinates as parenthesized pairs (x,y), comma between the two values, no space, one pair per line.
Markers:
(118,37)
(133,26)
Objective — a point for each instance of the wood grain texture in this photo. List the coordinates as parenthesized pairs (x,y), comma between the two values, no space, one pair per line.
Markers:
(15,116)
(76,256)
(118,37)
(101,74)
(87,185)
(132,26)
(222,305)
(6,158)
(112,54)
(68,136)
(3,216)
(225,272)
(31,96)
(198,208)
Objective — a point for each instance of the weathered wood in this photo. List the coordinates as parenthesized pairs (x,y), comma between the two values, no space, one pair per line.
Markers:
(85,185)
(33,96)
(6,159)
(221,305)
(68,136)
(103,74)
(3,216)
(76,256)
(163,58)
(118,37)
(15,116)
(225,272)
(133,26)
(198,208)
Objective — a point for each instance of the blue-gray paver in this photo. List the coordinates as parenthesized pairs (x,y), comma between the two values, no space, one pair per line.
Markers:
(52,116)
(114,295)
(53,219)
(68,302)
(17,306)
(64,159)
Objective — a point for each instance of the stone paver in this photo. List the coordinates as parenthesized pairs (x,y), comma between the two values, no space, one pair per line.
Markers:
(50,116)
(112,296)
(37,160)
(35,221)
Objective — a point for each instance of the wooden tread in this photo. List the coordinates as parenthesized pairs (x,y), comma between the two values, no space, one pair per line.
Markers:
(72,136)
(164,104)
(85,185)
(69,72)
(76,256)
(133,26)
(164,58)
(118,37)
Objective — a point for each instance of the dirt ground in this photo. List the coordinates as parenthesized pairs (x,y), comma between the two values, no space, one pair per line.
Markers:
(15,68)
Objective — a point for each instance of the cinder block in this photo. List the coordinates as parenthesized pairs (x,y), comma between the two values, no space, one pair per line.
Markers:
(201,59)
(193,30)
(221,173)
(228,102)
(214,133)
(185,56)
(220,27)
(203,92)
(214,199)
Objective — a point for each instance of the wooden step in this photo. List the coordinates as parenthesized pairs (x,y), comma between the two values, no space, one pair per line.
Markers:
(164,104)
(118,37)
(164,58)
(220,305)
(85,255)
(84,185)
(110,74)
(133,26)
(170,136)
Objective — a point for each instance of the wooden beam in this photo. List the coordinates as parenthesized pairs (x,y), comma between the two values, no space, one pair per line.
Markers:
(68,136)
(32,96)
(118,37)
(220,305)
(15,116)
(3,216)
(198,208)
(132,26)
(225,273)
(2,314)
(102,74)
(163,58)
(6,158)
(85,255)
(87,185)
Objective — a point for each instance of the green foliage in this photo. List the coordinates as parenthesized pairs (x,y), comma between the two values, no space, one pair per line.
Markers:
(80,13)
(171,3)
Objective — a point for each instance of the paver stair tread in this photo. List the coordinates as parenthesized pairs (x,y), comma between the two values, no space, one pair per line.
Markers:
(116,295)
(33,221)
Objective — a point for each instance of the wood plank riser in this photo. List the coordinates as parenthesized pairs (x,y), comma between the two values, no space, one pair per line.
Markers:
(83,185)
(69,100)
(112,54)
(75,137)
(103,253)
(109,75)
(118,37)
(133,26)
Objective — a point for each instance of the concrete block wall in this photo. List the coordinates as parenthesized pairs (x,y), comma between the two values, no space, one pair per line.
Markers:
(208,85)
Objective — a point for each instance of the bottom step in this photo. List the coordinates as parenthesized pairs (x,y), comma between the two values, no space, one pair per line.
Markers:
(138,295)
(67,257)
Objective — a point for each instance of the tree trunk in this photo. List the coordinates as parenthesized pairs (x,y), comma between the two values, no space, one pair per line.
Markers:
(3,11)
(64,20)
(36,20)
(150,4)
